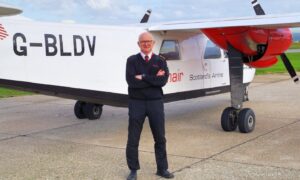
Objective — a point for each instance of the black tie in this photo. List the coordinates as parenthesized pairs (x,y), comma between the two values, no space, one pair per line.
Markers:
(146,58)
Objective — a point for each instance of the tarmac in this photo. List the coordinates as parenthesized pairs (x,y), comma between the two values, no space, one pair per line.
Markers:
(40,138)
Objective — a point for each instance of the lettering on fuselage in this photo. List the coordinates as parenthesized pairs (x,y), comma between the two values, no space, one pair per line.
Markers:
(175,77)
(196,77)
(54,45)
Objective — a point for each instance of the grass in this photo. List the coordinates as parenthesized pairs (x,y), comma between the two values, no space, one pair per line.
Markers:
(279,67)
(4,93)
(295,45)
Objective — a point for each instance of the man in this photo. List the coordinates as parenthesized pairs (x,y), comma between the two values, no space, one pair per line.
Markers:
(146,74)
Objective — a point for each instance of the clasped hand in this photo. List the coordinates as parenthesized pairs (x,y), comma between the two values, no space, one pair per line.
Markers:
(159,73)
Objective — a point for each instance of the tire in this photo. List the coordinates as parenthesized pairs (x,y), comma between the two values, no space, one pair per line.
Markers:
(246,119)
(78,110)
(228,119)
(92,111)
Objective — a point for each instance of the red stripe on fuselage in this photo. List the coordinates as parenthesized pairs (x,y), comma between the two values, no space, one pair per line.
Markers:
(3,33)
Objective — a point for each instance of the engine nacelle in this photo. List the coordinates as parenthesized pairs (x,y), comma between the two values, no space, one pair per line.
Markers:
(260,47)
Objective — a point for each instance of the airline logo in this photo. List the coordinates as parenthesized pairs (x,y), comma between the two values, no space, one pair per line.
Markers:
(3,33)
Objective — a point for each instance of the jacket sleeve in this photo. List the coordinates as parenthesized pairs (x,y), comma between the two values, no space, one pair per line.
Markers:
(159,81)
(130,76)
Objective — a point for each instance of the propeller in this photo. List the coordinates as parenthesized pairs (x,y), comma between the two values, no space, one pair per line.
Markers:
(146,16)
(257,8)
(259,11)
(289,67)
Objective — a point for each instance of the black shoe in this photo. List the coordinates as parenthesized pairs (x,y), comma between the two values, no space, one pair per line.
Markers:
(132,175)
(165,174)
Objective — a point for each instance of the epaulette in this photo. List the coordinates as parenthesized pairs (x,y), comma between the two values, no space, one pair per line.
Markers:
(162,57)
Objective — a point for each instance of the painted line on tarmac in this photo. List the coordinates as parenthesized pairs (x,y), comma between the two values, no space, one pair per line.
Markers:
(212,157)
(9,138)
(253,164)
(29,135)
(238,145)
(37,132)
(260,84)
(26,104)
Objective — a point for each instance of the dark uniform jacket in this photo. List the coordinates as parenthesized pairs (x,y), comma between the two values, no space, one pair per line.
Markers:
(150,87)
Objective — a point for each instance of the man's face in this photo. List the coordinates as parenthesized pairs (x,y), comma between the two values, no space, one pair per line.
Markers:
(146,43)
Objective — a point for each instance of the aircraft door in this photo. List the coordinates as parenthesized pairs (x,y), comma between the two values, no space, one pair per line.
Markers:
(216,66)
(184,55)
(192,50)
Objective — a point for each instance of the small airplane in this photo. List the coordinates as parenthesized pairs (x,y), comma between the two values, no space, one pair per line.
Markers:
(87,62)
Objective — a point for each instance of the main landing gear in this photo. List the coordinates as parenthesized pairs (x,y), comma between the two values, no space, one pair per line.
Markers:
(236,116)
(232,118)
(85,110)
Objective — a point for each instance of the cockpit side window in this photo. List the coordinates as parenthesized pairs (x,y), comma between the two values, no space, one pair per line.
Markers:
(212,51)
(170,50)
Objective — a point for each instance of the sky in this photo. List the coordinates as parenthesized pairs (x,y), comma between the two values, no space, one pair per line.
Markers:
(118,12)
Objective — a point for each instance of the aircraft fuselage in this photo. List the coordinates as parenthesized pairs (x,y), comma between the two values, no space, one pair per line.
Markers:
(87,63)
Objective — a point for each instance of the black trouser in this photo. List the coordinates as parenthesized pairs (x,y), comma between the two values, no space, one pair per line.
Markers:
(154,110)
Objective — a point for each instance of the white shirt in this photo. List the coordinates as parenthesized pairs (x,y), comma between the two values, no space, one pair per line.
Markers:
(149,55)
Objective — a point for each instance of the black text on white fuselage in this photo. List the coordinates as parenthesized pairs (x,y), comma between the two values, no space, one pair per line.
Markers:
(53,45)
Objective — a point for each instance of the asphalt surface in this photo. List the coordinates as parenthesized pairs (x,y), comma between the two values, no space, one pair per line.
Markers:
(293,50)
(40,138)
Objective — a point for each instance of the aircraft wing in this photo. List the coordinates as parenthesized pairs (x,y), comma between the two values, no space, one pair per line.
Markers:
(266,21)
(260,38)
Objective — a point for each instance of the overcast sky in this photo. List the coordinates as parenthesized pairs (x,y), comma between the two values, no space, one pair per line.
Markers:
(131,11)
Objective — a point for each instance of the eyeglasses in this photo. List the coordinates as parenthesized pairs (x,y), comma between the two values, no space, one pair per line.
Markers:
(146,42)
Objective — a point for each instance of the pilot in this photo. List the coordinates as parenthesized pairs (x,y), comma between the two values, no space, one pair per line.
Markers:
(146,74)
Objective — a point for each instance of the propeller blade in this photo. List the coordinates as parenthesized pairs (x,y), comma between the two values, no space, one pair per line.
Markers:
(146,16)
(289,67)
(257,8)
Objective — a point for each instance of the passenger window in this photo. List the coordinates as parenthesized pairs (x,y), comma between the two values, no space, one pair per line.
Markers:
(212,51)
(170,50)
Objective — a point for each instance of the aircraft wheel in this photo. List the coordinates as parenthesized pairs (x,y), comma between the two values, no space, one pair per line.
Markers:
(228,119)
(246,120)
(78,110)
(92,111)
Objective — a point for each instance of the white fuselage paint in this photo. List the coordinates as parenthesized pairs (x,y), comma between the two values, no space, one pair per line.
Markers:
(94,57)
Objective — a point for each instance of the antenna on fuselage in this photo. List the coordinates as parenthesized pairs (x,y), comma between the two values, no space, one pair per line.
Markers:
(146,16)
